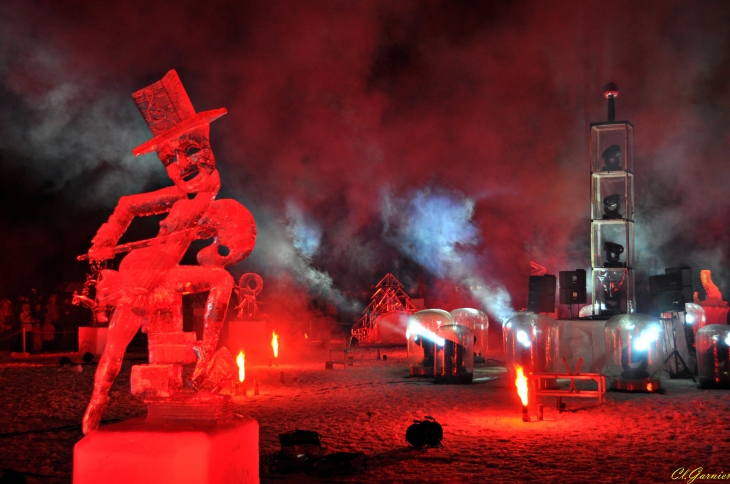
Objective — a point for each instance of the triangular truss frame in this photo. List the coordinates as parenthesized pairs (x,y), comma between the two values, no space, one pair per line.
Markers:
(389,297)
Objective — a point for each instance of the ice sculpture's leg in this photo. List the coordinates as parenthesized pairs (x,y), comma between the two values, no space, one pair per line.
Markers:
(122,329)
(194,279)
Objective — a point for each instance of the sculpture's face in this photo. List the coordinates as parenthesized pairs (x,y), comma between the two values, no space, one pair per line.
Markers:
(189,161)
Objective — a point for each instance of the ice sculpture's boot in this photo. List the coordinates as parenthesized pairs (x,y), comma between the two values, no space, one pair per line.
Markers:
(94,412)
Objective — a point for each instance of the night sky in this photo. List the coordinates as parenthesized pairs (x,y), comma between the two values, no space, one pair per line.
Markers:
(444,141)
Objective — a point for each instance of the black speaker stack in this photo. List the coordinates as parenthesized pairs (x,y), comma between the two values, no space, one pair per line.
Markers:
(573,287)
(669,291)
(541,295)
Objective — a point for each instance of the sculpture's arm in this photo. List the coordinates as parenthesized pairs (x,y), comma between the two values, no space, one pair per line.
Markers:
(130,206)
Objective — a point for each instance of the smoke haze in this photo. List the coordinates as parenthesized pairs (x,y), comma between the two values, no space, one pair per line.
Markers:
(446,142)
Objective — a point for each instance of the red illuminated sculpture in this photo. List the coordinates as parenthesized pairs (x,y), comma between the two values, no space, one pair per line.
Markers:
(715,308)
(147,289)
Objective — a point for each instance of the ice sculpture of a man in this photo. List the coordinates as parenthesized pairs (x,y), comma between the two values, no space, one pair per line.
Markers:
(147,289)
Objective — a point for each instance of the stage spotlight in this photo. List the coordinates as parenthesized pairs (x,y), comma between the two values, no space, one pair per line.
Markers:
(611,206)
(613,253)
(425,433)
(611,282)
(523,339)
(634,352)
(611,158)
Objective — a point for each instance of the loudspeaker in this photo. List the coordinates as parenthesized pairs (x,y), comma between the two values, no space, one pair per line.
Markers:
(686,274)
(573,287)
(541,294)
(666,292)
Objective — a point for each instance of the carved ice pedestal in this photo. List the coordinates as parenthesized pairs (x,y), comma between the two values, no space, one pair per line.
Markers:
(143,451)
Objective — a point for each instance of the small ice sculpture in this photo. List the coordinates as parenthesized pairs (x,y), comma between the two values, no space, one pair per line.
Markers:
(147,289)
(249,286)
(422,339)
(715,308)
(478,322)
(634,352)
(713,356)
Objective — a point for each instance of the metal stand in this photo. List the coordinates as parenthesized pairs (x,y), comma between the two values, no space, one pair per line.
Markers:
(678,360)
(539,380)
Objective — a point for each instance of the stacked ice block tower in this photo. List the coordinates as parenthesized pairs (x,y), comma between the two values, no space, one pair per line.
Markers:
(612,213)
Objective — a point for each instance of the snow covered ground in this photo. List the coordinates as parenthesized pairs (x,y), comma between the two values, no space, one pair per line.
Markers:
(367,407)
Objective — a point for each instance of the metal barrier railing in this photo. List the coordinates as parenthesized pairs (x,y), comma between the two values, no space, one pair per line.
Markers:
(24,332)
(540,389)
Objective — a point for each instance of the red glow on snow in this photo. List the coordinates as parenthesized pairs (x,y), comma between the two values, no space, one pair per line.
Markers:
(275,343)
(241,362)
(521,384)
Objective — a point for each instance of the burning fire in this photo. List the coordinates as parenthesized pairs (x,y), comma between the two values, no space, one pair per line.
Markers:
(241,362)
(275,343)
(521,384)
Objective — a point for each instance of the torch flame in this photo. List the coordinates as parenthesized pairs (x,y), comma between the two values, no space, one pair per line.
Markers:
(275,343)
(521,384)
(241,362)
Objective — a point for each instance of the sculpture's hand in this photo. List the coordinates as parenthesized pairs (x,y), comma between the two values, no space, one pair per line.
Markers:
(101,253)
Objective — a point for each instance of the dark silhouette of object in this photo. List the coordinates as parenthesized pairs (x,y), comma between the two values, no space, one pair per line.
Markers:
(610,92)
(425,433)
(613,253)
(428,351)
(612,293)
(572,288)
(611,206)
(628,357)
(11,476)
(611,158)
(297,442)
(541,294)
(338,464)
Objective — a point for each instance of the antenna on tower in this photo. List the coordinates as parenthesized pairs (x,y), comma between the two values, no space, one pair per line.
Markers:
(610,91)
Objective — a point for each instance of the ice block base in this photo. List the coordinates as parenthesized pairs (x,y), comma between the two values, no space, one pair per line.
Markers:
(140,451)
(200,406)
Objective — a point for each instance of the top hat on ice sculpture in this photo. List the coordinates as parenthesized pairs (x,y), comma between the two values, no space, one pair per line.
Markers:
(168,111)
